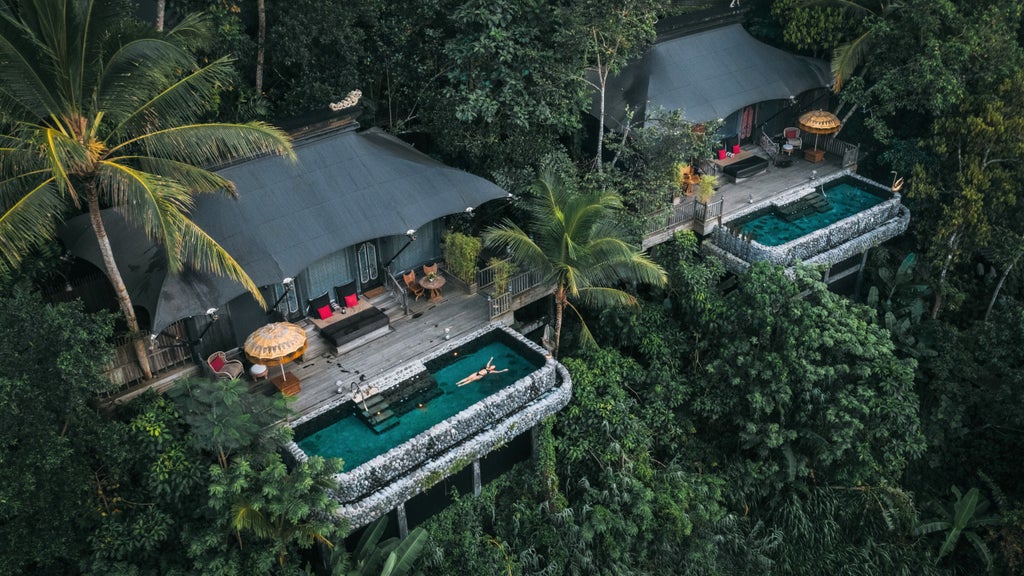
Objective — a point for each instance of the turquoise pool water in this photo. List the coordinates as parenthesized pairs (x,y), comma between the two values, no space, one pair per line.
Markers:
(846,198)
(353,441)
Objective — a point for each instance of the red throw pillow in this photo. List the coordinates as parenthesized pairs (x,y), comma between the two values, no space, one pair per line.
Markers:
(735,148)
(351,300)
(790,133)
(324,312)
(721,154)
(217,363)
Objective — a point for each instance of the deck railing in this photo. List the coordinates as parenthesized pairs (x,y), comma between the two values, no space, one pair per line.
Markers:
(670,217)
(397,290)
(517,284)
(169,350)
(707,212)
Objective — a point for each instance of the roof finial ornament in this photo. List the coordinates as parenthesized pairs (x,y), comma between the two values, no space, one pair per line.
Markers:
(350,100)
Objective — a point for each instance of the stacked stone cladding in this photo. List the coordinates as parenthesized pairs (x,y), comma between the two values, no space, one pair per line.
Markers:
(396,475)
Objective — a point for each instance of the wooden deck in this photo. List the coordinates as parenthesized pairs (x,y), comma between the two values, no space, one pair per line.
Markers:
(738,195)
(411,336)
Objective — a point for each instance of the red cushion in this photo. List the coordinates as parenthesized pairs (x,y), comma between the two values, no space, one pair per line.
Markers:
(324,312)
(217,363)
(721,154)
(351,300)
(735,148)
(790,132)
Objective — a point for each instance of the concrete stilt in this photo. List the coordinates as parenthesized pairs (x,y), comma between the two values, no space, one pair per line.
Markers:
(860,274)
(476,477)
(403,521)
(534,443)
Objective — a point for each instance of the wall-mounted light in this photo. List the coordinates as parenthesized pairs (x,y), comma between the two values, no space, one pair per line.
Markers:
(469,210)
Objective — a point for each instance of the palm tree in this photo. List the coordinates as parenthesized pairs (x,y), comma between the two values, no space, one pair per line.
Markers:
(851,54)
(98,112)
(576,245)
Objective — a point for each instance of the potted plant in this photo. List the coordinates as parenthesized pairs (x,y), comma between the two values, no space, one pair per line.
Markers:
(460,254)
(503,271)
(708,183)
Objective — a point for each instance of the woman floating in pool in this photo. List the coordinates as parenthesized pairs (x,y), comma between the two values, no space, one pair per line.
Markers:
(489,369)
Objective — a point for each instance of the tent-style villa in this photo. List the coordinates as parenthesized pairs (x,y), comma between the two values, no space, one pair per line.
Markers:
(325,238)
(772,172)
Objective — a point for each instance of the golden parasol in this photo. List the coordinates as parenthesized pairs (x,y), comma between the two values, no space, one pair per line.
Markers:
(275,345)
(819,122)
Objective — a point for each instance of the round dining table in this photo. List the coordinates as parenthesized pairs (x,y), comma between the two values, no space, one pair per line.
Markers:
(434,285)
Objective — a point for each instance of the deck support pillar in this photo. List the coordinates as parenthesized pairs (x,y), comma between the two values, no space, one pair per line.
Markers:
(860,273)
(476,477)
(534,444)
(403,521)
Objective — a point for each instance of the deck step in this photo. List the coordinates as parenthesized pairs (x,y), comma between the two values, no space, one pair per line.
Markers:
(378,416)
(373,403)
(385,426)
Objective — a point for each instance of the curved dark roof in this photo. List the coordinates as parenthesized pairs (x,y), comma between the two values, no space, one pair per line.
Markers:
(711,74)
(345,188)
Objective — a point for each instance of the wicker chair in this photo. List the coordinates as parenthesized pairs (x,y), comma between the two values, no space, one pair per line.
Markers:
(223,368)
(428,270)
(412,284)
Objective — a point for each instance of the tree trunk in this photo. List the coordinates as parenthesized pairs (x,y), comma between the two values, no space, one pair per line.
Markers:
(559,309)
(999,286)
(261,10)
(161,7)
(114,275)
(942,276)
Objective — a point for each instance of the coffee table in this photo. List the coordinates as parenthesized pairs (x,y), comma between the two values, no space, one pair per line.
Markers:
(434,286)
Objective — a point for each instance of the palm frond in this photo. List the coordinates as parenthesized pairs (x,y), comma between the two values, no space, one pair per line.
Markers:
(27,221)
(603,297)
(193,178)
(209,144)
(847,57)
(587,341)
(204,253)
(20,80)
(169,101)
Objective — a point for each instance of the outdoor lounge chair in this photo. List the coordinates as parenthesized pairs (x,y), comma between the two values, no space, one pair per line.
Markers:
(412,284)
(223,368)
(792,136)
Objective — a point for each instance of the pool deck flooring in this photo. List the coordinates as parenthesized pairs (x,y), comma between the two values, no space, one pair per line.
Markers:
(411,337)
(736,196)
(739,195)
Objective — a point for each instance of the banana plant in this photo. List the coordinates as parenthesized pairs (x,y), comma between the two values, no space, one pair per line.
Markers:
(900,303)
(963,517)
(374,557)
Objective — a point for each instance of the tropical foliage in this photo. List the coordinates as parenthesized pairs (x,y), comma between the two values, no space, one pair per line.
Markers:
(97,113)
(573,241)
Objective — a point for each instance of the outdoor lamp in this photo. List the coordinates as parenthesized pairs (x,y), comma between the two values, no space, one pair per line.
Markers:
(469,209)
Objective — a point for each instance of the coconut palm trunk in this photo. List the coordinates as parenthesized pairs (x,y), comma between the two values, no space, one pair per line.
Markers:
(124,300)
(97,113)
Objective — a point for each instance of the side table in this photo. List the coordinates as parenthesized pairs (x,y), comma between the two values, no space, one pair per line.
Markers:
(258,372)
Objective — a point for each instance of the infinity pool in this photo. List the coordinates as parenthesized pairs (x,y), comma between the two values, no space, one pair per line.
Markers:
(843,198)
(419,403)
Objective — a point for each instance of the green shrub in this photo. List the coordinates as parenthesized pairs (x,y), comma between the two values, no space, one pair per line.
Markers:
(460,254)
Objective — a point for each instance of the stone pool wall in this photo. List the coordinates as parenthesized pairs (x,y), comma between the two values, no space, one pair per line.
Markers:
(404,487)
(827,245)
(437,444)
